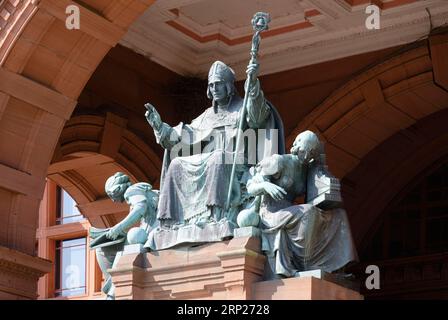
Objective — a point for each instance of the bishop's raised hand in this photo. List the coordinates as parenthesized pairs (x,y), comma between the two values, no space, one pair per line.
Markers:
(152,116)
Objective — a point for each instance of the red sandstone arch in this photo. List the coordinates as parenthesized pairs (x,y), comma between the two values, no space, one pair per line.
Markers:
(380,102)
(92,148)
(43,68)
(389,169)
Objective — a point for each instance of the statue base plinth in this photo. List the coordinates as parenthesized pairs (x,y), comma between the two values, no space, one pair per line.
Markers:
(303,288)
(337,278)
(222,270)
(227,270)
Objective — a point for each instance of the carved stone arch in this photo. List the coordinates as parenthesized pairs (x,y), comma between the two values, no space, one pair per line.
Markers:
(390,169)
(43,68)
(380,102)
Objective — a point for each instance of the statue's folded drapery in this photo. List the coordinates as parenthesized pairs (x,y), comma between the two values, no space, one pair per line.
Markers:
(298,237)
(193,185)
(303,237)
(196,185)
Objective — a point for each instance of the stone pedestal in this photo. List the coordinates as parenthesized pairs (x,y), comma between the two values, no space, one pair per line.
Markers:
(228,270)
(222,270)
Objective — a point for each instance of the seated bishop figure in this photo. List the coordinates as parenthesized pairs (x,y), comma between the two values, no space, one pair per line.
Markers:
(198,156)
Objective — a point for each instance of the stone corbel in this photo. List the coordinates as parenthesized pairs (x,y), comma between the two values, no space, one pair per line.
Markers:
(19,274)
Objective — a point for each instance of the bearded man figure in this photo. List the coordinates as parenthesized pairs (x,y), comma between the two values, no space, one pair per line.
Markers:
(198,156)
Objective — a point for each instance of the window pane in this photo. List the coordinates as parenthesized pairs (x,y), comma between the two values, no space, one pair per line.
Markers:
(73,242)
(71,267)
(425,206)
(69,205)
(68,212)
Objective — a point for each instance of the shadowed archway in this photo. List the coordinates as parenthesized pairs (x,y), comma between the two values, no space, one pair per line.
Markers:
(380,102)
(92,148)
(389,169)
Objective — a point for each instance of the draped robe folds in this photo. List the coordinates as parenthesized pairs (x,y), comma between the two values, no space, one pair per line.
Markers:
(198,158)
(140,192)
(299,237)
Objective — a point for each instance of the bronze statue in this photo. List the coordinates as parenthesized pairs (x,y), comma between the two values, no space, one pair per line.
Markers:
(301,237)
(108,242)
(203,163)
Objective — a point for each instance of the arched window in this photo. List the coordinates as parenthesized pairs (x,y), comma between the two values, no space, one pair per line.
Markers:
(66,209)
(417,224)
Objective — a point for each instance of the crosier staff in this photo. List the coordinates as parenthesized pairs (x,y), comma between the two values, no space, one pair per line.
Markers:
(260,23)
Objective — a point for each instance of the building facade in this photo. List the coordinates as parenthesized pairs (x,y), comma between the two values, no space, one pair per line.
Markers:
(71,114)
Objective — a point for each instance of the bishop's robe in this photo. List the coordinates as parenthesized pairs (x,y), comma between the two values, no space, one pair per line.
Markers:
(198,157)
